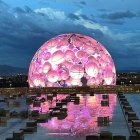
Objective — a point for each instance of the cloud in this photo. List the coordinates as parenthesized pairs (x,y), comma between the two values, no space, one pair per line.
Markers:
(85,17)
(119,15)
(73,16)
(75,19)
(24,30)
(102,10)
(80,4)
(86,22)
(21,10)
(83,3)
(116,22)
(51,13)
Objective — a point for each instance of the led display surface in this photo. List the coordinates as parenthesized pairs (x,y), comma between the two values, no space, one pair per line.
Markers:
(68,58)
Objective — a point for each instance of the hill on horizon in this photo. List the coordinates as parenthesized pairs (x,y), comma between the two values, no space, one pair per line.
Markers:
(6,70)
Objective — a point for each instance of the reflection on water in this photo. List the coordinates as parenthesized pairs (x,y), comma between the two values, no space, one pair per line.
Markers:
(81,119)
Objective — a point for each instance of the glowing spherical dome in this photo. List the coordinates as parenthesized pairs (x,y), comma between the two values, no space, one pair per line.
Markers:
(68,58)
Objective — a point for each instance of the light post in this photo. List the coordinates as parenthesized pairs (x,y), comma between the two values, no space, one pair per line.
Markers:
(130,82)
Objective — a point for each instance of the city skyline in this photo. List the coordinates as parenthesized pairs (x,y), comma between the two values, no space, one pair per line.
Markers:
(26,24)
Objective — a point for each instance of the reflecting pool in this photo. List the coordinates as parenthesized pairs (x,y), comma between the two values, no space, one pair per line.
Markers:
(82,118)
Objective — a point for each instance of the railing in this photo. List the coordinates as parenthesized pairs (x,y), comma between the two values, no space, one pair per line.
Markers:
(67,90)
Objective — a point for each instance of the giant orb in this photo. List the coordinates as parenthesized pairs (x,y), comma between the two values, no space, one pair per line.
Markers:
(67,59)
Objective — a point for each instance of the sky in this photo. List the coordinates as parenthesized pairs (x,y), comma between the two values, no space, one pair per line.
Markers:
(26,24)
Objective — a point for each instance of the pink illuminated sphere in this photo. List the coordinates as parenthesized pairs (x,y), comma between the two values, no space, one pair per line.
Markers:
(67,58)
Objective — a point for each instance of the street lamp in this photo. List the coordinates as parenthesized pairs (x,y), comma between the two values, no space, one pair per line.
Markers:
(130,82)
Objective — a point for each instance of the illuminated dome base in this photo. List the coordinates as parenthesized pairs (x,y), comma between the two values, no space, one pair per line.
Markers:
(67,58)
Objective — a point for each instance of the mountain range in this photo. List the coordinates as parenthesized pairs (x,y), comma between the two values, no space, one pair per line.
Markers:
(6,70)
(10,70)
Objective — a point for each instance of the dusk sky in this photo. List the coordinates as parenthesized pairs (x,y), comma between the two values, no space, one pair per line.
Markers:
(26,24)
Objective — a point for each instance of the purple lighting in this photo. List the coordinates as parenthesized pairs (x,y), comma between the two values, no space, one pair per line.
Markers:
(81,119)
(65,59)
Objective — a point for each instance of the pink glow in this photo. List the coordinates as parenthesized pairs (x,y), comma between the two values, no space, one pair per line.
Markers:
(81,119)
(76,71)
(91,69)
(46,67)
(71,56)
(57,57)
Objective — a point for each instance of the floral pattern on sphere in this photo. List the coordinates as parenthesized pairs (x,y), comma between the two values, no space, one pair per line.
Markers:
(67,59)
